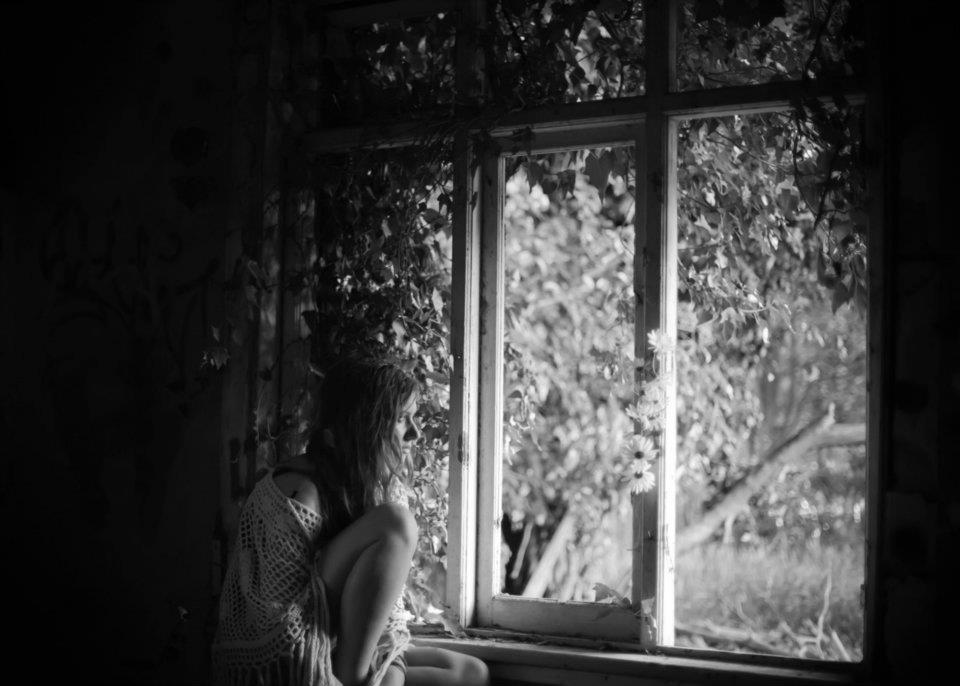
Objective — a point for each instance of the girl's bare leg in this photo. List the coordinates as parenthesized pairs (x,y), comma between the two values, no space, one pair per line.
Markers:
(439,667)
(393,677)
(364,568)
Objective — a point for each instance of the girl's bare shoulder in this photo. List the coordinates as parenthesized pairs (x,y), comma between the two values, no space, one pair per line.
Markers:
(294,479)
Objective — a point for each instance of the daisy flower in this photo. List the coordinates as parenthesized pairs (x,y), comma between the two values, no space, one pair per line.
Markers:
(643,479)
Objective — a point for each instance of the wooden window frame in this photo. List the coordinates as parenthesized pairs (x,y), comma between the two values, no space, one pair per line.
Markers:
(651,119)
(494,608)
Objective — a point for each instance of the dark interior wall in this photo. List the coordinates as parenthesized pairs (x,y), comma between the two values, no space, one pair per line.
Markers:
(920,531)
(114,195)
(113,200)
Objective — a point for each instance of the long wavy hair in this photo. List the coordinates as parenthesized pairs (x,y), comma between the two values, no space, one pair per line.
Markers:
(360,404)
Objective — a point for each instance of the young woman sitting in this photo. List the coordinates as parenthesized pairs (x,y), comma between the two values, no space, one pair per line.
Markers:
(313,591)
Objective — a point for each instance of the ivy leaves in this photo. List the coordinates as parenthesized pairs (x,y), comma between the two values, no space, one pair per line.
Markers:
(563,51)
(739,42)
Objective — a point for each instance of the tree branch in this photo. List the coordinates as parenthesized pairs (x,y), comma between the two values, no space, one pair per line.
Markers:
(820,433)
(542,574)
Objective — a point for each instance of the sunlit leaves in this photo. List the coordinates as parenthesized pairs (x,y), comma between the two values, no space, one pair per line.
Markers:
(739,42)
(380,270)
(568,349)
(772,267)
(771,187)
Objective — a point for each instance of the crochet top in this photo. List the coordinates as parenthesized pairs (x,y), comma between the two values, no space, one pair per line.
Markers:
(274,622)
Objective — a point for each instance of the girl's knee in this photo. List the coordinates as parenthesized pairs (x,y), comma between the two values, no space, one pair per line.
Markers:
(474,672)
(398,523)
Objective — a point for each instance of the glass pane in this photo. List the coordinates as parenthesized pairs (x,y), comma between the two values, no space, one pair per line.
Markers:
(568,374)
(565,51)
(771,345)
(742,42)
(398,70)
(381,278)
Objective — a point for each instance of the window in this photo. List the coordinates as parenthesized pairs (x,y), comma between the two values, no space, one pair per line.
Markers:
(610,289)
(563,222)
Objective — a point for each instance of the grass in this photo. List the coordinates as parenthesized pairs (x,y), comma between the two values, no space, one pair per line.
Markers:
(775,594)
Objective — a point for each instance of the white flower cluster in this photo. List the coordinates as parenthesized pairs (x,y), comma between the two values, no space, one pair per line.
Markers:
(644,452)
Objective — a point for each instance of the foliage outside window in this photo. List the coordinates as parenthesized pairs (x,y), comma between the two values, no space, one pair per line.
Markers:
(569,351)
(382,284)
(769,339)
(741,42)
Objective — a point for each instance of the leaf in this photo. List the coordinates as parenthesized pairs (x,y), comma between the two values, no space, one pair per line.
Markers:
(437,301)
(534,173)
(605,593)
(216,357)
(597,170)
(567,181)
(841,294)
(702,223)
(437,377)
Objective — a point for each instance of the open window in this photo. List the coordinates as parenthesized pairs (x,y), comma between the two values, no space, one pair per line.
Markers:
(558,354)
(727,382)
(609,410)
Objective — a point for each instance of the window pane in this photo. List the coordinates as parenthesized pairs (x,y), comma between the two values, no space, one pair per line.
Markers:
(771,336)
(397,70)
(735,42)
(568,376)
(564,51)
(381,278)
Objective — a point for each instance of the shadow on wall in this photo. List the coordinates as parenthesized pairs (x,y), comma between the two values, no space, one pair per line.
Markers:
(113,203)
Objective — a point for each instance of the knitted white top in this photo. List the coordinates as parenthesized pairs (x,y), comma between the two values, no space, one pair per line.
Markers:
(274,625)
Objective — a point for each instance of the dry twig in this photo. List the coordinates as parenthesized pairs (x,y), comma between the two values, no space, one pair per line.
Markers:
(838,644)
(823,612)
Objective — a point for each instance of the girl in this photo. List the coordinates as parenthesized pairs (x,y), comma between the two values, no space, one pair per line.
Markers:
(313,592)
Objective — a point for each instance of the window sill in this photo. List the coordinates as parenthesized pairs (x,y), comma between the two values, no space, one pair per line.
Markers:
(516,661)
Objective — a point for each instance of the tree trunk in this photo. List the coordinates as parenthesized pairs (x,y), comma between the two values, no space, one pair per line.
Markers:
(820,433)
(543,573)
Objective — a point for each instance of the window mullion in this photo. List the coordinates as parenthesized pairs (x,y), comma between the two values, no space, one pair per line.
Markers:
(881,207)
(463,485)
(464,390)
(655,285)
(489,510)
(667,472)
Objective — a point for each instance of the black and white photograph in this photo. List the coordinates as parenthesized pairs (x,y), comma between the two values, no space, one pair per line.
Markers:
(479,343)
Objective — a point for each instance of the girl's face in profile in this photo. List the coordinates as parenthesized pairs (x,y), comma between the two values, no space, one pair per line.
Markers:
(406,428)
